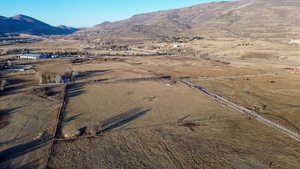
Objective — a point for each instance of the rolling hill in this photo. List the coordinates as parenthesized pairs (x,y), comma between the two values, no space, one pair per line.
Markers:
(28,25)
(274,19)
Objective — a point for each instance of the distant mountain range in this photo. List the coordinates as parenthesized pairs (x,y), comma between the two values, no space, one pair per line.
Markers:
(272,19)
(275,19)
(28,25)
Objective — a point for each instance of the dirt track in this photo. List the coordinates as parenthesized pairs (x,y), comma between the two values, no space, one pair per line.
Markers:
(245,111)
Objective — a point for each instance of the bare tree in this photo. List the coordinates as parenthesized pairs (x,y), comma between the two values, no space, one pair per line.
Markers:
(3,84)
(58,79)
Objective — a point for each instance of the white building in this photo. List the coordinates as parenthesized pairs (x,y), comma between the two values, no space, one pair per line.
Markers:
(34,56)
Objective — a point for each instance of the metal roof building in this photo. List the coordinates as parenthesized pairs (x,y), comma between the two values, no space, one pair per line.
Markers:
(34,56)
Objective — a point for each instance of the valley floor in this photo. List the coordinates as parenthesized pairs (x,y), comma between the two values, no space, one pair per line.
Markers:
(145,118)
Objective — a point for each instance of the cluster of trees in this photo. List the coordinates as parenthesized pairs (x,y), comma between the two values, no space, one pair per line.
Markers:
(15,51)
(5,64)
(181,39)
(50,77)
(67,53)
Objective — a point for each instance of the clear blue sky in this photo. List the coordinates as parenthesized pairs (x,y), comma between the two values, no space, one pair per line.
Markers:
(86,13)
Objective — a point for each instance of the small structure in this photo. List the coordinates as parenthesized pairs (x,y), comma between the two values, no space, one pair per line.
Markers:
(294,42)
(175,46)
(55,56)
(35,56)
(294,69)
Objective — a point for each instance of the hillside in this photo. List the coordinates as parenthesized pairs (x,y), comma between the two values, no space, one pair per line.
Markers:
(28,25)
(71,29)
(276,19)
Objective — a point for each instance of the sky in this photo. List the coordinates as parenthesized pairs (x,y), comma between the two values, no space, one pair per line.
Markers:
(87,13)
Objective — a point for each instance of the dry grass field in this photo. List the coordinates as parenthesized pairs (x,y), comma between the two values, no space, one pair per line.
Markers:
(26,122)
(269,95)
(211,86)
(146,122)
(152,124)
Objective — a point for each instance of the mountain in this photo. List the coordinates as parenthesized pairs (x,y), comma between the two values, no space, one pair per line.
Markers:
(275,19)
(71,29)
(28,25)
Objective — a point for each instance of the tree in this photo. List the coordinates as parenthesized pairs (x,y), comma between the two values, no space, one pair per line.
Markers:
(3,84)
(58,79)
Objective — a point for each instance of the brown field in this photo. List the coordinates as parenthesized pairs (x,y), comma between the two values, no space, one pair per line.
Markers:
(143,122)
(24,118)
(211,86)
(195,132)
(270,95)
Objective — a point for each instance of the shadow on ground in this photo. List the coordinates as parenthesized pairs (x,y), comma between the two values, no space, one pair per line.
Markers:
(93,73)
(67,120)
(122,119)
(75,89)
(22,149)
(30,165)
(14,87)
(12,141)
(5,116)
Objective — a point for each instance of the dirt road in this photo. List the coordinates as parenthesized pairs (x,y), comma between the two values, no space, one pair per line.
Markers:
(246,111)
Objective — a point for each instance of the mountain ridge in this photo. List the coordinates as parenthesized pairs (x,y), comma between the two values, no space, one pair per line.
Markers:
(244,18)
(28,25)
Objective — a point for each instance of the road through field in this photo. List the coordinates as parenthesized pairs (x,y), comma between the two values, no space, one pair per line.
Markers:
(244,110)
(244,76)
